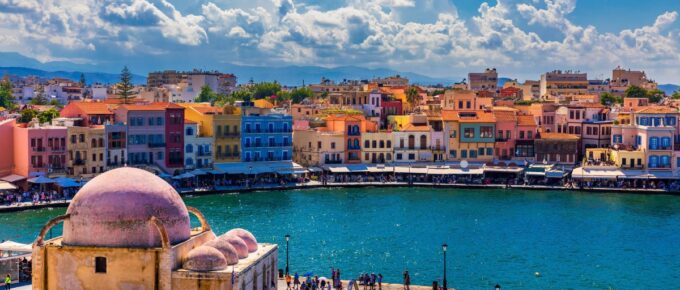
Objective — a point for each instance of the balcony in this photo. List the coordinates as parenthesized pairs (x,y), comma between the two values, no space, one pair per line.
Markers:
(57,149)
(328,161)
(265,145)
(437,148)
(156,145)
(39,165)
(501,139)
(203,154)
(78,162)
(229,135)
(354,133)
(676,146)
(268,131)
(38,149)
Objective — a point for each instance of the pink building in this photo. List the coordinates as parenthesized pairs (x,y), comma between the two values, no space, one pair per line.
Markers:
(39,149)
(7,145)
(506,132)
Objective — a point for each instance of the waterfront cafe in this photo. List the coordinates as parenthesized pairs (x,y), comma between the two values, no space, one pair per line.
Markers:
(260,170)
(545,174)
(12,255)
(614,176)
(501,172)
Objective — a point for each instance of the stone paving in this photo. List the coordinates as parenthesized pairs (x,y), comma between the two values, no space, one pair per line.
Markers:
(385,286)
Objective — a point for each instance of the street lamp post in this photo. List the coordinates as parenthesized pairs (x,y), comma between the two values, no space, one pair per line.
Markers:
(498,287)
(287,239)
(444,246)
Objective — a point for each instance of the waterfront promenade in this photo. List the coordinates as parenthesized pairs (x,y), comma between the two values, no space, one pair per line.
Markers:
(315,184)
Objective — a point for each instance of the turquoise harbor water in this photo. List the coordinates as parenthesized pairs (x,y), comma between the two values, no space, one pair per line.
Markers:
(575,240)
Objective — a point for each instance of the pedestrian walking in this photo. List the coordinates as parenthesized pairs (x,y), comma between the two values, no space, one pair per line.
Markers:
(407,281)
(8,282)
(296,281)
(380,277)
(288,280)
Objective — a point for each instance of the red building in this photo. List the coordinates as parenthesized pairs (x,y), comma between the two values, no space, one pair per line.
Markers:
(174,135)
(92,113)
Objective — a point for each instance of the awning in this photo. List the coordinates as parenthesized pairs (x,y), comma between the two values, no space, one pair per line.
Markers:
(280,167)
(535,173)
(41,180)
(198,172)
(13,178)
(412,170)
(184,176)
(15,247)
(555,174)
(456,171)
(357,168)
(164,175)
(216,172)
(504,169)
(641,174)
(588,173)
(315,169)
(6,186)
(380,168)
(338,169)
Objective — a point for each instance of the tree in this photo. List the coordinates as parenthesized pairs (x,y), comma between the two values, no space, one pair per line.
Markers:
(82,80)
(207,95)
(412,96)
(299,94)
(47,116)
(125,86)
(56,103)
(40,98)
(27,115)
(676,95)
(265,89)
(608,99)
(655,95)
(6,98)
(636,92)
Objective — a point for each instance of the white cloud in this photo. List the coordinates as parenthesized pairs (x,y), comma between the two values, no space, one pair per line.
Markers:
(375,33)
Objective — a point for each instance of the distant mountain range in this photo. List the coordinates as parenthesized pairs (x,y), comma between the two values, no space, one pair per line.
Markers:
(669,89)
(17,64)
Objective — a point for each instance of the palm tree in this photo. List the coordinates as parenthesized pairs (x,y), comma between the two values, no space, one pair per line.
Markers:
(412,96)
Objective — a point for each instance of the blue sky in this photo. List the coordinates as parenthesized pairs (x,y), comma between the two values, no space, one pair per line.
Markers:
(441,38)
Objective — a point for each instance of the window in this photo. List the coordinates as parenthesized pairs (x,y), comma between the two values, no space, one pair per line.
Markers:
(332,145)
(617,139)
(481,151)
(486,132)
(665,143)
(100,264)
(411,156)
(151,123)
(389,144)
(452,153)
(469,132)
(530,135)
(463,153)
(190,131)
(521,134)
(653,143)
(473,153)
(189,148)
(367,144)
(653,161)
(489,151)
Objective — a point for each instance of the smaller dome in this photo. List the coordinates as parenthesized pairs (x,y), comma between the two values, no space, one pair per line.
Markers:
(247,237)
(203,259)
(227,250)
(238,243)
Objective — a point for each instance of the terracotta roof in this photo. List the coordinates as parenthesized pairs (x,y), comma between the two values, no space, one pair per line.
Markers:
(563,136)
(656,110)
(526,120)
(351,118)
(416,128)
(93,108)
(504,116)
(161,106)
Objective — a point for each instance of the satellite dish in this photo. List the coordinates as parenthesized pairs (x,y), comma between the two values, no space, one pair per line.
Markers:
(464,164)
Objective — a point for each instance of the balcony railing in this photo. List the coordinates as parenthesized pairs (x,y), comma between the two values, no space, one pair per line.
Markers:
(38,149)
(353,133)
(264,145)
(156,145)
(79,162)
(328,161)
(501,139)
(269,131)
(229,135)
(57,149)
(203,154)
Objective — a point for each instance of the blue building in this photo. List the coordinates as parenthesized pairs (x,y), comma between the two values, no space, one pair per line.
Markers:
(266,137)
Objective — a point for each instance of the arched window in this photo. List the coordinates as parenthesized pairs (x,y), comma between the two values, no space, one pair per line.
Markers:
(389,156)
(189,148)
(356,143)
(101,142)
(411,142)
(374,143)
(366,143)
(94,143)
(389,144)
(382,144)
(423,142)
(665,161)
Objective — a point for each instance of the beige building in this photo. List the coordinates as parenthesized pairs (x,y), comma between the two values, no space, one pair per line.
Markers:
(377,147)
(318,147)
(484,81)
(140,237)
(223,124)
(559,82)
(86,149)
(464,100)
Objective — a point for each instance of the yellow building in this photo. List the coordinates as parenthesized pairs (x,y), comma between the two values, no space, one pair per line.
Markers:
(139,237)
(622,158)
(223,124)
(377,147)
(317,147)
(85,151)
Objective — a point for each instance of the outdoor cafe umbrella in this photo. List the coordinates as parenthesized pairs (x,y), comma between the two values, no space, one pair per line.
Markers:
(41,180)
(197,172)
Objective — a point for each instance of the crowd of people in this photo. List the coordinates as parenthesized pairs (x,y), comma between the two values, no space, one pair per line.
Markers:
(36,196)
(364,281)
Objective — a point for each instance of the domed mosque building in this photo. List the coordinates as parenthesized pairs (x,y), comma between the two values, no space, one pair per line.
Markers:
(129,229)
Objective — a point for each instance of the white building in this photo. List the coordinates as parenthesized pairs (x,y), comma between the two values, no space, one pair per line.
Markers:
(197,150)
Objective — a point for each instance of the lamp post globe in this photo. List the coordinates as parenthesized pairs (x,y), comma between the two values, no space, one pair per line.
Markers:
(498,287)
